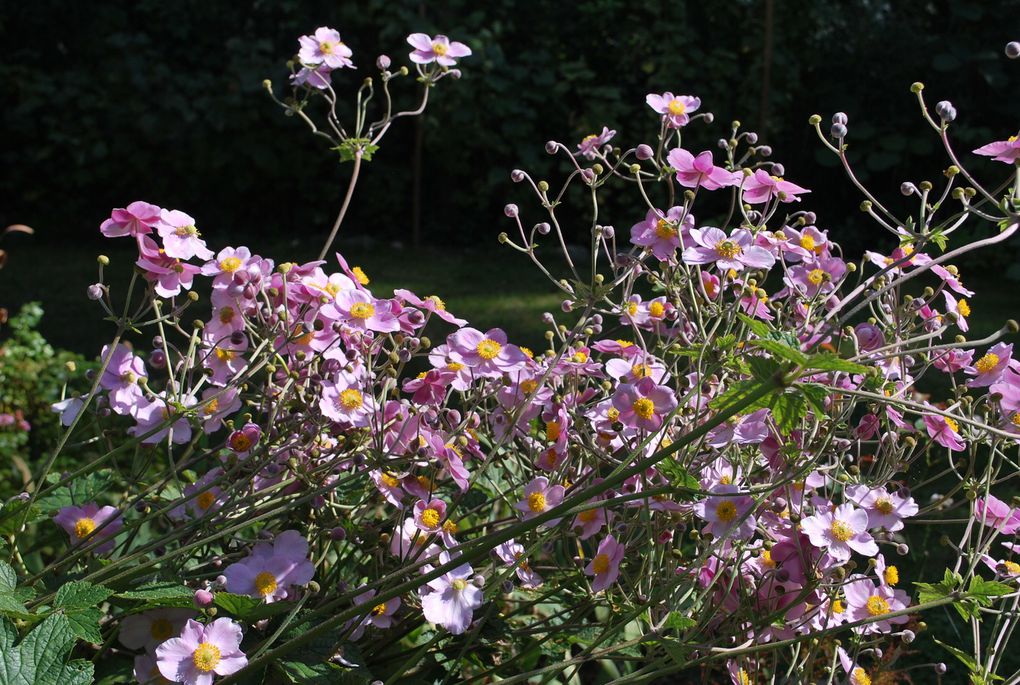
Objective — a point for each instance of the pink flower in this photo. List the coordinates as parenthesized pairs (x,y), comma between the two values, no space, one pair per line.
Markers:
(324,47)
(453,598)
(381,615)
(138,218)
(761,186)
(271,569)
(121,378)
(662,234)
(318,77)
(90,523)
(180,237)
(1007,151)
(945,431)
(149,629)
(429,516)
(994,513)
(727,513)
(346,402)
(439,49)
(243,439)
(590,521)
(605,565)
(951,361)
(163,416)
(675,109)
(539,497)
(840,531)
(202,652)
(169,275)
(713,246)
(700,171)
(512,553)
(865,600)
(644,404)
(958,307)
(362,311)
(432,304)
(487,354)
(590,144)
(989,368)
(885,509)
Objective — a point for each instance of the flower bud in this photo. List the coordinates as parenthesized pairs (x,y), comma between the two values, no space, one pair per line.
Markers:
(945,110)
(566,305)
(838,131)
(907,188)
(940,668)
(644,152)
(608,232)
(103,260)
(543,228)
(510,210)
(722,144)
(839,118)
(516,175)
(751,137)
(1013,49)
(95,292)
(814,120)
(778,169)
(478,580)
(550,147)
(203,598)
(382,62)
(764,150)
(916,87)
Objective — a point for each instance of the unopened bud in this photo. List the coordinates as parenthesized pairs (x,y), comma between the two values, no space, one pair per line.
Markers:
(382,62)
(644,152)
(510,210)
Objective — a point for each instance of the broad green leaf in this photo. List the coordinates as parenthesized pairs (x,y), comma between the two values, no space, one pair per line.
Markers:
(781,349)
(158,591)
(830,362)
(249,609)
(678,621)
(8,577)
(759,328)
(788,409)
(41,658)
(982,591)
(815,395)
(79,594)
(966,659)
(763,368)
(676,474)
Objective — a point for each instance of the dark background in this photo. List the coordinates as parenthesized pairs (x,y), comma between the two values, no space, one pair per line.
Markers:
(108,102)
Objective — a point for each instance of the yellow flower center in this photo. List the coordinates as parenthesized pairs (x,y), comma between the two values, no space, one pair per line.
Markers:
(389,480)
(230,264)
(161,629)
(360,276)
(632,308)
(613,414)
(440,48)
(435,300)
(326,48)
(1012,567)
(186,231)
(224,355)
(430,517)
(206,657)
(952,424)
(657,310)
(807,242)
(727,249)
(665,229)
(205,500)
(588,515)
(884,505)
(265,583)
(1011,139)
(891,575)
(379,609)
(640,371)
(677,107)
(488,349)
(726,479)
(877,606)
(726,511)
(841,531)
(536,502)
(553,430)
(454,366)
(624,343)
(816,276)
(963,308)
(449,527)
(527,352)
(838,607)
(600,564)
(211,406)
(83,527)
(579,357)
(351,399)
(1015,419)
(861,677)
(987,362)
(644,408)
(459,584)
(362,310)
(743,678)
(767,560)
(529,386)
(240,443)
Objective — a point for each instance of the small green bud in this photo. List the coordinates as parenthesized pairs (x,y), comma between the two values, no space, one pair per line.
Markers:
(866,206)
(503,238)
(103,259)
(814,120)
(916,87)
(543,186)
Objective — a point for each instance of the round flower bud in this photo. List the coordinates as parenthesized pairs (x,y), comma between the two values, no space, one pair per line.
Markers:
(814,120)
(708,117)
(1013,49)
(566,305)
(945,110)
(752,137)
(103,260)
(608,232)
(838,131)
(902,550)
(478,580)
(510,210)
(550,147)
(338,534)
(839,118)
(916,87)
(588,175)
(778,169)
(765,150)
(940,668)
(95,292)
(907,188)
(543,228)
(203,598)
(516,175)
(644,152)
(157,358)
(382,62)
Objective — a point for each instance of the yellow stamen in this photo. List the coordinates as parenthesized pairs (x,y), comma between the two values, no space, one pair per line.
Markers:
(265,583)
(644,408)
(841,531)
(536,502)
(206,657)
(488,349)
(84,527)
(600,564)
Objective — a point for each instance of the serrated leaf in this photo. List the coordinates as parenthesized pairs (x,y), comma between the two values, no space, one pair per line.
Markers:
(763,368)
(41,658)
(982,591)
(677,475)
(781,349)
(826,361)
(815,395)
(248,609)
(677,621)
(8,577)
(84,623)
(966,659)
(759,328)
(738,393)
(158,591)
(788,409)
(79,594)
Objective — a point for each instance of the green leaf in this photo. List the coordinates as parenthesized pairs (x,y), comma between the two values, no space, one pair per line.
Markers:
(42,656)
(759,328)
(739,392)
(84,623)
(87,488)
(826,361)
(763,368)
(815,395)
(677,475)
(79,594)
(8,577)
(982,591)
(788,409)
(781,349)
(248,609)
(13,598)
(159,591)
(966,659)
(678,621)
(349,148)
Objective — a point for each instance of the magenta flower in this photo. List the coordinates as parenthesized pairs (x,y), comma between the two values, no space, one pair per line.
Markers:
(121,378)
(605,565)
(429,516)
(989,368)
(994,513)
(675,109)
(727,513)
(840,531)
(202,652)
(243,439)
(324,47)
(761,186)
(539,497)
(700,171)
(590,521)
(162,416)
(439,49)
(512,553)
(271,569)
(453,597)
(319,77)
(180,237)
(168,275)
(945,431)
(347,403)
(1007,151)
(90,523)
(865,600)
(959,307)
(590,144)
(662,234)
(488,354)
(749,429)
(432,304)
(138,218)
(885,509)
(816,276)
(380,617)
(736,251)
(362,311)
(644,404)
(149,629)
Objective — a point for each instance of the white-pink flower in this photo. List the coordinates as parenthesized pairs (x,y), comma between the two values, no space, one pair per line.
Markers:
(202,652)
(840,531)
(605,565)
(439,49)
(324,47)
(453,597)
